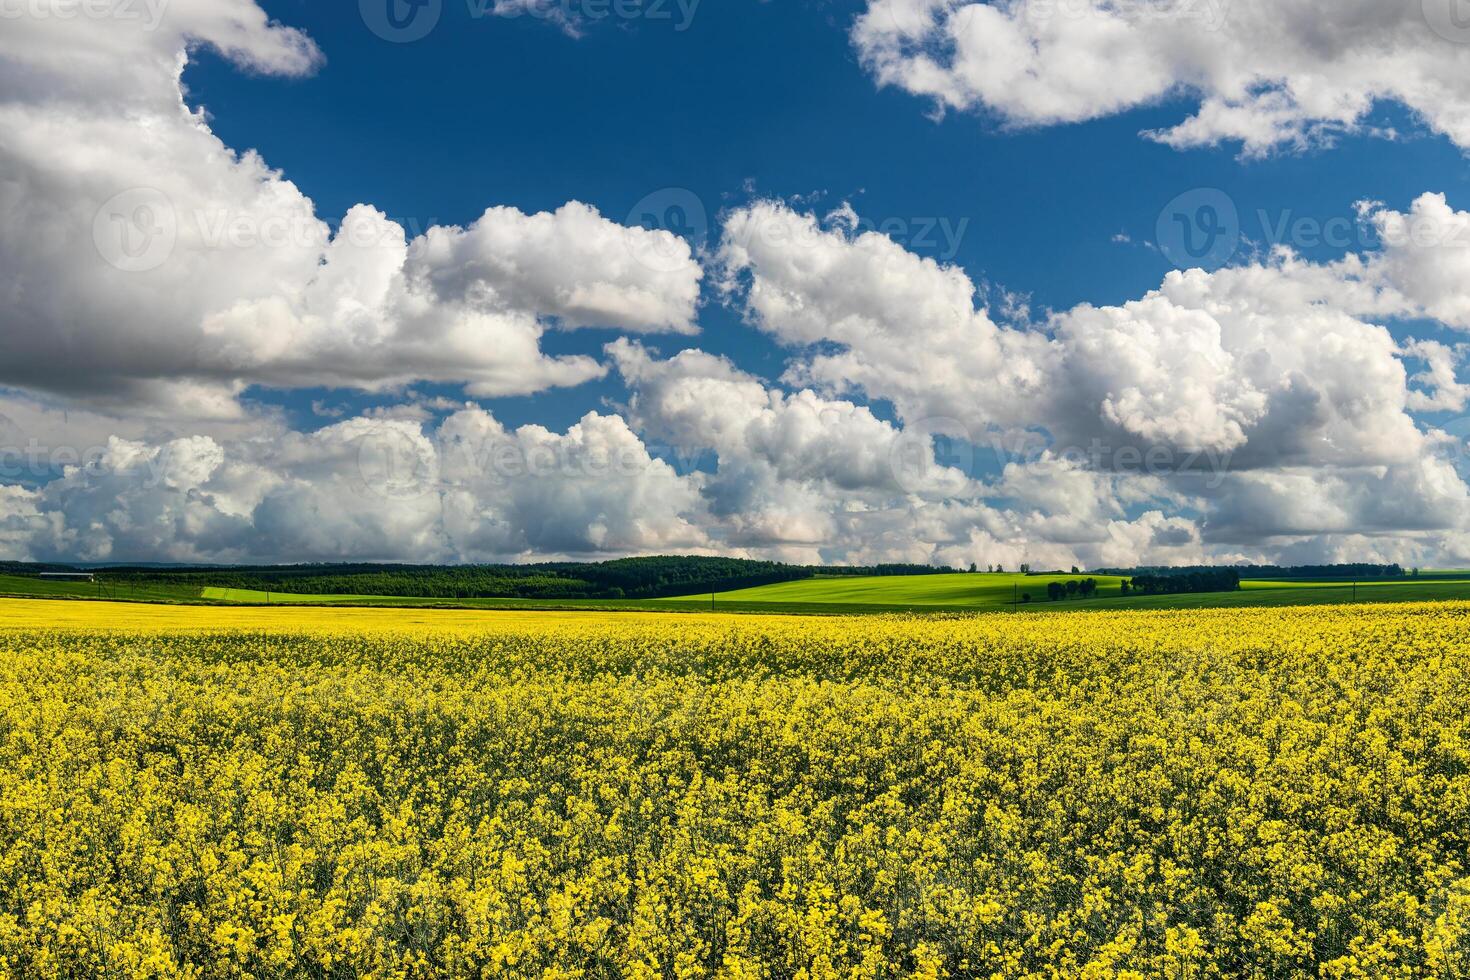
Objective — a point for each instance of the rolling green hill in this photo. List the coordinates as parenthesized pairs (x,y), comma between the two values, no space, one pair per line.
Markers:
(27,586)
(978,592)
(999,591)
(950,592)
(255,597)
(939,593)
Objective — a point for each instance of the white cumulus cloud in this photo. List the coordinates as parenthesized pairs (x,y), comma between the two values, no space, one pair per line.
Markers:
(147,262)
(1260,73)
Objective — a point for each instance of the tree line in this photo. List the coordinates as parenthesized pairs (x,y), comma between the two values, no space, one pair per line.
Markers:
(1208,580)
(1071,589)
(631,578)
(1359,570)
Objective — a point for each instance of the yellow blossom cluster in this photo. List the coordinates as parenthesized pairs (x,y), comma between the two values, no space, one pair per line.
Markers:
(338,793)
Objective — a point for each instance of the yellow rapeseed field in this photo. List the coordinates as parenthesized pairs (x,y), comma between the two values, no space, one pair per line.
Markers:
(394,793)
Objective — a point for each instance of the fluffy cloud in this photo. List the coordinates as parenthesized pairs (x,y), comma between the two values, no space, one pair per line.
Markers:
(797,475)
(908,326)
(1440,388)
(1244,362)
(147,262)
(469,489)
(817,479)
(1250,364)
(1424,260)
(1263,399)
(364,488)
(1262,508)
(595,489)
(124,55)
(1263,74)
(1231,369)
(21,523)
(698,401)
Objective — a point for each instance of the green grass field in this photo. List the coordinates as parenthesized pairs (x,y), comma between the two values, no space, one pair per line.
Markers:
(257,598)
(979,592)
(1260,592)
(24,586)
(20,586)
(973,591)
(990,592)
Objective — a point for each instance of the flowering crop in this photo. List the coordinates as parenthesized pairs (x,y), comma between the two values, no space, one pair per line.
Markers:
(389,793)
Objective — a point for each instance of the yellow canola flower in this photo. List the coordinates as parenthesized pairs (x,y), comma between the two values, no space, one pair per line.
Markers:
(191,792)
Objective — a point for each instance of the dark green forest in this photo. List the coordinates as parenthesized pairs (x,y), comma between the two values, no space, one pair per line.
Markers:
(1206,580)
(1355,571)
(630,578)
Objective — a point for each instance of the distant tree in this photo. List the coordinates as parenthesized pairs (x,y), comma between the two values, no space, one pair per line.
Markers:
(1073,587)
(1416,572)
(1075,571)
(1089,588)
(1214,580)
(1055,591)
(1125,586)
(1359,571)
(973,568)
(1000,569)
(1025,569)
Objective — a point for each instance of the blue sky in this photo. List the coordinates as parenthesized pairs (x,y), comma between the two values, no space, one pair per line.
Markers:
(1052,281)
(766,99)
